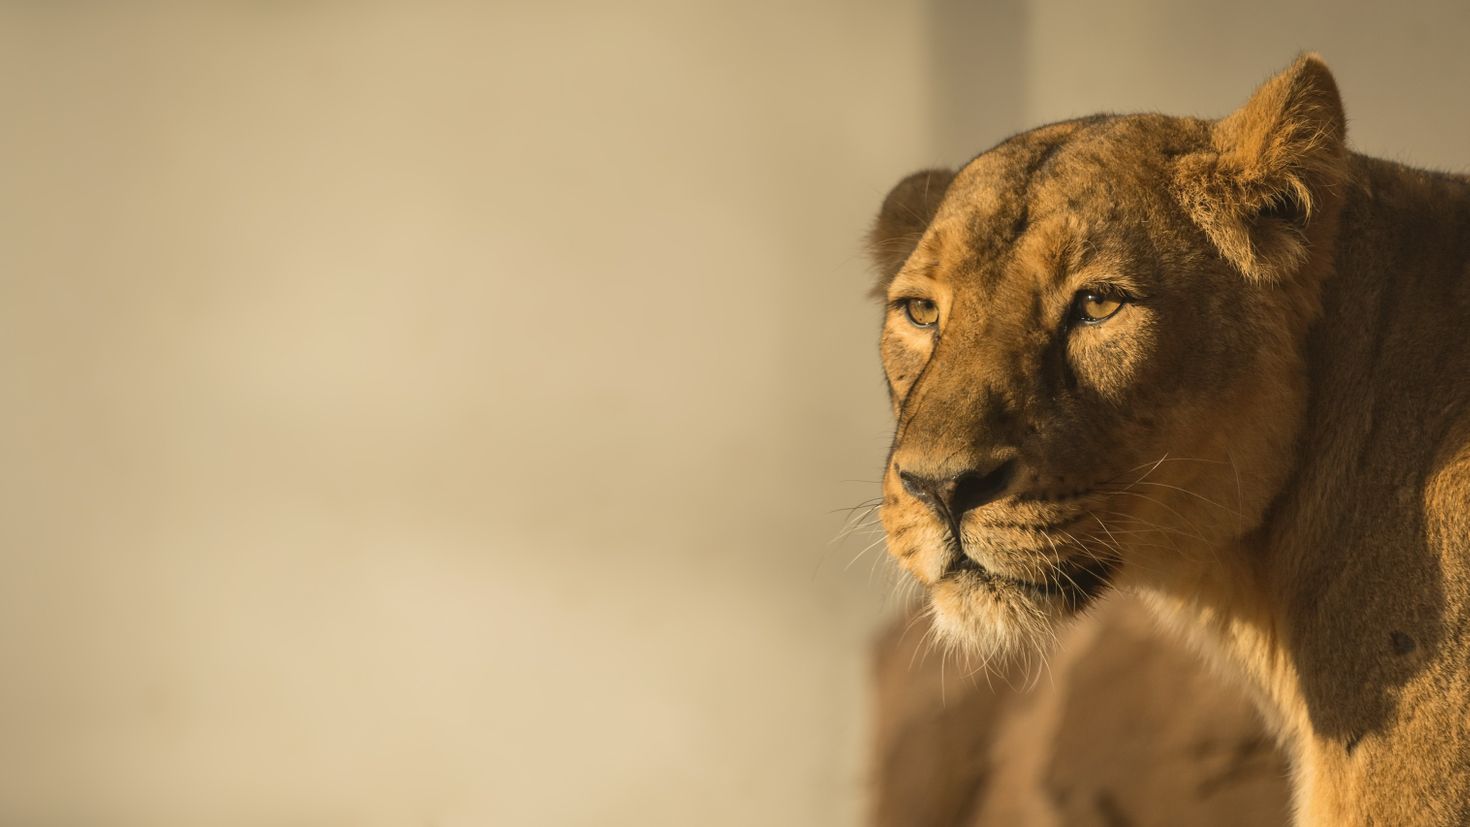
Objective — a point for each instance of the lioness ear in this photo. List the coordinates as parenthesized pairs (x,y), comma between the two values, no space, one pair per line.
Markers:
(901,222)
(1276,165)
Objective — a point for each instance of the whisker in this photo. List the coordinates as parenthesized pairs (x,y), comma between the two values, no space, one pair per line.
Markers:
(1200,497)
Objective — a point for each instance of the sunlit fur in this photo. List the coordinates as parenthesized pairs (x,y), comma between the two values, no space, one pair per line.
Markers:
(1269,440)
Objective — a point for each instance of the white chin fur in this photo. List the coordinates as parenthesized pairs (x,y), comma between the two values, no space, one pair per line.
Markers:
(992,621)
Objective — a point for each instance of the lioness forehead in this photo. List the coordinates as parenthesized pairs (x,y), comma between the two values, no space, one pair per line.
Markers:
(1076,179)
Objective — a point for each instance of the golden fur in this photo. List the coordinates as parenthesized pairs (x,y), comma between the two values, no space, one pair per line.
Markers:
(1269,440)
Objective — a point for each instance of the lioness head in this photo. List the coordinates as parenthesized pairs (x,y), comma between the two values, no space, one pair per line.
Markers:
(1093,344)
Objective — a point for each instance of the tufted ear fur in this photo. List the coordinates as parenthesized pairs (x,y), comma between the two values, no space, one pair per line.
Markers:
(901,222)
(1276,164)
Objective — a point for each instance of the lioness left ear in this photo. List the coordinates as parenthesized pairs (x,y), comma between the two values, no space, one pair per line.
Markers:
(1275,167)
(902,220)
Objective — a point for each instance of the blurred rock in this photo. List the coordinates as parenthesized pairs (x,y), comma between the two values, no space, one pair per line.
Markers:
(1125,726)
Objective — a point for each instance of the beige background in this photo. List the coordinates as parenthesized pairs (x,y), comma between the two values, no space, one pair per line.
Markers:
(430,413)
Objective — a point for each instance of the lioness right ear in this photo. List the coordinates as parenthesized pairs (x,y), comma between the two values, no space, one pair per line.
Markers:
(901,222)
(1276,164)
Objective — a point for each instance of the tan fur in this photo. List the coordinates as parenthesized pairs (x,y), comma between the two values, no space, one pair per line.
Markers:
(1271,443)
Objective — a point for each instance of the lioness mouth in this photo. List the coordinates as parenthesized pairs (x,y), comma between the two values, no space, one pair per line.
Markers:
(1075,583)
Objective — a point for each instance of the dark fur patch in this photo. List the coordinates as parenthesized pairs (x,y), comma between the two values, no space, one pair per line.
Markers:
(1402,643)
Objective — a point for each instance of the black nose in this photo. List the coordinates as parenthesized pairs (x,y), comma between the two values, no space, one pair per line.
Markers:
(954,496)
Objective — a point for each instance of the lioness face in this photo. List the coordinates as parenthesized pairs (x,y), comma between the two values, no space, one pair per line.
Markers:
(1085,390)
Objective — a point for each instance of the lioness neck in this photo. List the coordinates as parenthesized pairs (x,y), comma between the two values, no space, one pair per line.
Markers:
(1349,617)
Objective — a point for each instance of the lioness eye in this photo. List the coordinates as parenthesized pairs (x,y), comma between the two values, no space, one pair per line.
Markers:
(1095,307)
(922,312)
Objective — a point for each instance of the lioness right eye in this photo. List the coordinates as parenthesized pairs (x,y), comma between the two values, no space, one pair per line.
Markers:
(1091,307)
(921,312)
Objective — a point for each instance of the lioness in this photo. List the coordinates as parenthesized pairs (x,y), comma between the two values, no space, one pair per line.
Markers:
(1221,363)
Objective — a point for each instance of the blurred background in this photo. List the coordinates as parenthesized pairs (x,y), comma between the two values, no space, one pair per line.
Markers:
(432,413)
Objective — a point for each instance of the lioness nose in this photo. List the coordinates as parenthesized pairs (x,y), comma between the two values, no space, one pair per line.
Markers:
(955,496)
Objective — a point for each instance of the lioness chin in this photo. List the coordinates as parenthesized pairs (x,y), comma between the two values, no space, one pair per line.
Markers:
(1220,363)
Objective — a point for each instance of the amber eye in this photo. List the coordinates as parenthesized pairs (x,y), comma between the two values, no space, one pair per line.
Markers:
(1092,307)
(922,312)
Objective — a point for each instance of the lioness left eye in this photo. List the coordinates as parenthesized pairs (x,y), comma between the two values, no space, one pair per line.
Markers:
(1092,308)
